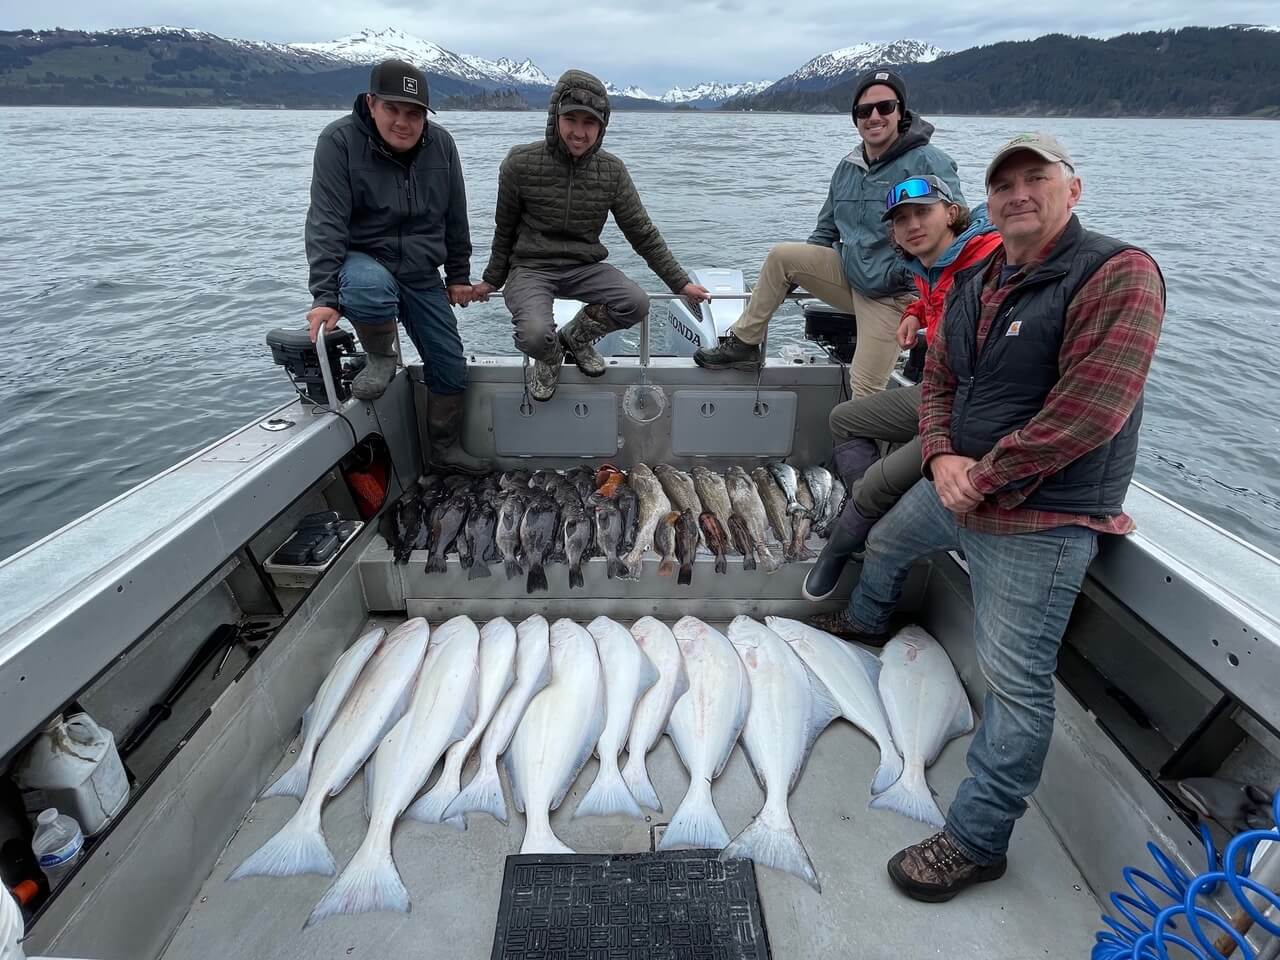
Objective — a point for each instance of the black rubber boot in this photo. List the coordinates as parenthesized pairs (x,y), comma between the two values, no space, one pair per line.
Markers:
(579,336)
(731,354)
(444,421)
(848,537)
(853,458)
(379,342)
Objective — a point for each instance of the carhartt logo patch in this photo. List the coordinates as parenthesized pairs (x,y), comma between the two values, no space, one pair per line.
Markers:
(410,85)
(882,76)
(1015,329)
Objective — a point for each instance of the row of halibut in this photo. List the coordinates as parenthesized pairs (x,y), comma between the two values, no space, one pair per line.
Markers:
(545,697)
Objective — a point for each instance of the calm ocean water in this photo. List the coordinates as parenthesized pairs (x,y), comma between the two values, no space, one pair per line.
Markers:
(146,253)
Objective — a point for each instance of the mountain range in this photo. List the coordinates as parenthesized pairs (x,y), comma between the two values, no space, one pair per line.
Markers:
(1232,70)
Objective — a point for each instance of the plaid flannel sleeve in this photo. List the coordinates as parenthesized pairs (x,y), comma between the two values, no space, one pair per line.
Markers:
(937,395)
(1112,327)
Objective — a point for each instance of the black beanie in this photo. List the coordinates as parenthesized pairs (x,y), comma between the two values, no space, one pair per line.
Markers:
(886,77)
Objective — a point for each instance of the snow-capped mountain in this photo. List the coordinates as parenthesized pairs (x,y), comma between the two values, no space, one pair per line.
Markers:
(523,71)
(370,46)
(822,70)
(634,92)
(713,92)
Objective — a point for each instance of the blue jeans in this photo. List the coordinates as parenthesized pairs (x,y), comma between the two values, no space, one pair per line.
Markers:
(368,293)
(1024,586)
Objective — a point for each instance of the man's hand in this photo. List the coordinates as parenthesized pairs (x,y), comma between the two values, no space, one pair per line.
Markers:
(318,316)
(695,292)
(460,294)
(951,479)
(907,331)
(480,292)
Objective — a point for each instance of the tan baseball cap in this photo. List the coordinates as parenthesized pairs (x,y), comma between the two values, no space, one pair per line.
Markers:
(1042,144)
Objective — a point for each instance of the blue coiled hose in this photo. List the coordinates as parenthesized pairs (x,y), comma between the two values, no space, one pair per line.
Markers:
(1147,931)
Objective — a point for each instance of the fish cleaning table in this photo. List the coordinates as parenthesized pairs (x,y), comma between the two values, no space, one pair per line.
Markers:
(1042,907)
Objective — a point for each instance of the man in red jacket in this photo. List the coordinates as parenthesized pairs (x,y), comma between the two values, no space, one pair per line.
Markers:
(937,238)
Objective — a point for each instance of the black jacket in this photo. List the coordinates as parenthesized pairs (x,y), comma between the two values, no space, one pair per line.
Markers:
(408,211)
(1002,386)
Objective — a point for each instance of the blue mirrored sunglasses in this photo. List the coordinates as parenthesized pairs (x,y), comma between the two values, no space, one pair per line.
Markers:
(913,188)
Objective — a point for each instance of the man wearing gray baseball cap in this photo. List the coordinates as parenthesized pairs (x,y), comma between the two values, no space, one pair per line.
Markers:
(1030,408)
(388,212)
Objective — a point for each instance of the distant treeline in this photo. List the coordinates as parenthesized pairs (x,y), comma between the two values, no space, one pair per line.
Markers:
(1197,71)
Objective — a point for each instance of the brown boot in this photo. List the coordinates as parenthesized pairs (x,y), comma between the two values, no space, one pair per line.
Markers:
(444,421)
(839,625)
(935,870)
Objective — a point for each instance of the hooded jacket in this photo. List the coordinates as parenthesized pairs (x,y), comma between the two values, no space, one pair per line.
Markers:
(850,219)
(552,207)
(933,284)
(406,210)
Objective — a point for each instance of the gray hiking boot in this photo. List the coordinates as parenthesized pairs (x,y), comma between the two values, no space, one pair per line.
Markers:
(731,354)
(579,336)
(379,342)
(546,374)
(444,421)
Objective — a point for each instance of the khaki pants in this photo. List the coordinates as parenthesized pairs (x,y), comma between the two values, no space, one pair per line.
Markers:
(819,270)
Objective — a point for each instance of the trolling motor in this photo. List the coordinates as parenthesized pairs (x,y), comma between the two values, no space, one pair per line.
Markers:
(833,330)
(292,349)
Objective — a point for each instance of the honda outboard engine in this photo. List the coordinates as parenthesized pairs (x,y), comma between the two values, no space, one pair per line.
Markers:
(688,325)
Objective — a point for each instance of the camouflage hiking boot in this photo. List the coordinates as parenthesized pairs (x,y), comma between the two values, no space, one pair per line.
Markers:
(839,625)
(936,869)
(546,374)
(579,336)
(731,354)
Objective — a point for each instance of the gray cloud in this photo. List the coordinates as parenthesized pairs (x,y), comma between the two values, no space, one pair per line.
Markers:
(655,43)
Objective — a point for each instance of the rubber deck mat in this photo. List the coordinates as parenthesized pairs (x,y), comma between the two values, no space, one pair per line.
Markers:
(671,905)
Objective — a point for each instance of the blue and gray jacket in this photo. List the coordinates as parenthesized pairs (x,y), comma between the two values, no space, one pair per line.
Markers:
(850,219)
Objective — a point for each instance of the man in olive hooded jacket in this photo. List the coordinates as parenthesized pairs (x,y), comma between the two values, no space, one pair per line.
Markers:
(554,196)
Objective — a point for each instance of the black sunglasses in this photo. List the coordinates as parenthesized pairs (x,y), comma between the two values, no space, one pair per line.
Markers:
(883,107)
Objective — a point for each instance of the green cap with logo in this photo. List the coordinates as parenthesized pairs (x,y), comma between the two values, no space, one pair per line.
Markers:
(1043,145)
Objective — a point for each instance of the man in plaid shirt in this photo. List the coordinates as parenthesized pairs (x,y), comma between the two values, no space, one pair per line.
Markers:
(1029,417)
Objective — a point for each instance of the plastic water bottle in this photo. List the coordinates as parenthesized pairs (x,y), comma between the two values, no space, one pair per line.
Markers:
(57,844)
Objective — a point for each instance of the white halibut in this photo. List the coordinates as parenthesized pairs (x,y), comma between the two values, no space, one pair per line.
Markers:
(315,722)
(497,671)
(559,730)
(378,700)
(533,672)
(851,674)
(442,711)
(704,726)
(628,675)
(654,710)
(789,708)
(926,705)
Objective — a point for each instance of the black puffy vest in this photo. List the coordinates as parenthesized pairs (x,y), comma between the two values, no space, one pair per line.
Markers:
(1002,386)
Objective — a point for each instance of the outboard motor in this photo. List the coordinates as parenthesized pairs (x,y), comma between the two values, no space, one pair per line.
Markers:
(834,330)
(694,325)
(689,325)
(292,349)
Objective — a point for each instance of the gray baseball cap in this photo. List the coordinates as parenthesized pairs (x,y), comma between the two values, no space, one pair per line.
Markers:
(1043,145)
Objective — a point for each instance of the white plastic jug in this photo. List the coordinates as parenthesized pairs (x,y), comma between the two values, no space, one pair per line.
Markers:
(73,765)
(11,927)
(57,844)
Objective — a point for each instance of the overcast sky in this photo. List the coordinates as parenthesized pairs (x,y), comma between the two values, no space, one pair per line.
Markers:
(654,43)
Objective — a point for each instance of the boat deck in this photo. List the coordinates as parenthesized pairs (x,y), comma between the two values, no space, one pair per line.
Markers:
(1042,908)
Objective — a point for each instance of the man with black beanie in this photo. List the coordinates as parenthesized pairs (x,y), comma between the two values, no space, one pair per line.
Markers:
(388,211)
(848,260)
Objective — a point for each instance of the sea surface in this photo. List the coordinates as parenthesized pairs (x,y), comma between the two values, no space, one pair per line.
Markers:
(145,253)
